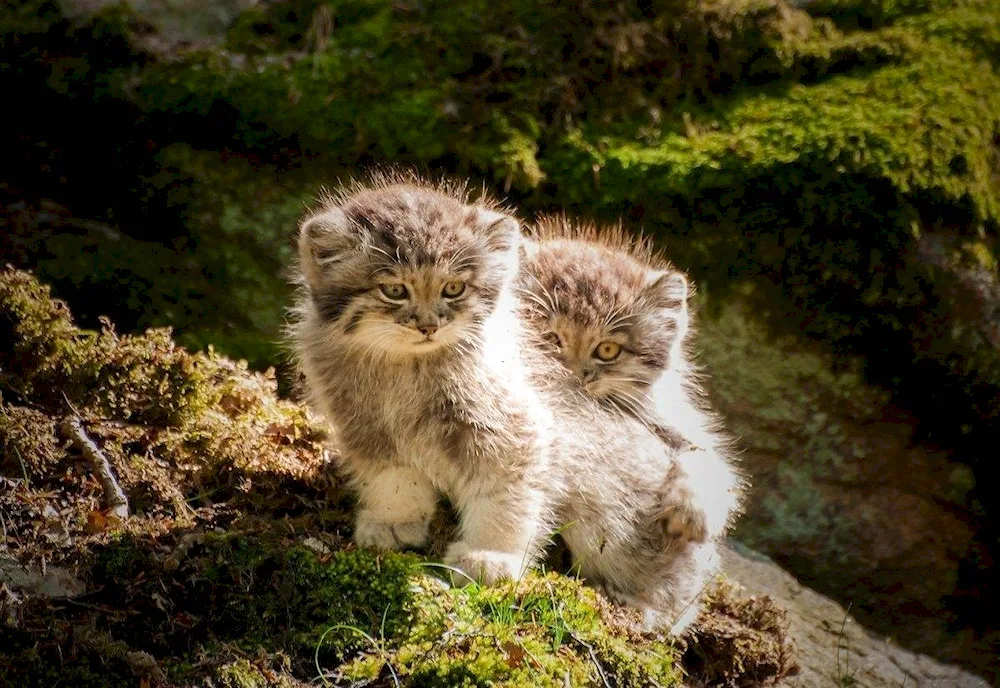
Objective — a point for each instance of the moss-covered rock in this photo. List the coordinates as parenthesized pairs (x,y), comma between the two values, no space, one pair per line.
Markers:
(867,14)
(109,376)
(841,157)
(242,673)
(844,492)
(179,429)
(536,632)
(758,140)
(249,592)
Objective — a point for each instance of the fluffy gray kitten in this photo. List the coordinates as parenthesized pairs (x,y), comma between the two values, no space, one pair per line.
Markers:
(615,314)
(410,345)
(410,336)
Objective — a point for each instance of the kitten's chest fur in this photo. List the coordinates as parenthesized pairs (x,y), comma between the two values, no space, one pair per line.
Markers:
(435,414)
(388,411)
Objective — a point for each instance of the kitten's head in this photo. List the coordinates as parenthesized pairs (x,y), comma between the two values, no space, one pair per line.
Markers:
(615,322)
(405,269)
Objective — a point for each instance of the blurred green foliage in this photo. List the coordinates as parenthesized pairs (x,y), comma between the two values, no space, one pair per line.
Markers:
(807,150)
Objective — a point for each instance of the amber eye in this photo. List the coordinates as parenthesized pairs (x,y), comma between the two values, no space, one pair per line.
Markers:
(452,290)
(394,291)
(607,351)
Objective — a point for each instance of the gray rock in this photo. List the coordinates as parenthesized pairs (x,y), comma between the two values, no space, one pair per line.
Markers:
(832,648)
(32,580)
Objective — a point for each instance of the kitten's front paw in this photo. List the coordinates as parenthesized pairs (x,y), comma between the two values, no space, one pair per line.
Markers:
(618,597)
(683,621)
(370,532)
(676,623)
(483,565)
(682,519)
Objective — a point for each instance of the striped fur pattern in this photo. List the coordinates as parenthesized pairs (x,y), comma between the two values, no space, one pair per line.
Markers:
(583,288)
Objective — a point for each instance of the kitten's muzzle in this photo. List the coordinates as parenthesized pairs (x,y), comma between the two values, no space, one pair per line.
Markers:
(426,324)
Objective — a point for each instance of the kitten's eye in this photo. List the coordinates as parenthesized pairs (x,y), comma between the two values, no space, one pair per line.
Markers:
(394,291)
(608,351)
(452,290)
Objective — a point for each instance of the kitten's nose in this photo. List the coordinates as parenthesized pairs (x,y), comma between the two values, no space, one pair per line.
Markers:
(428,330)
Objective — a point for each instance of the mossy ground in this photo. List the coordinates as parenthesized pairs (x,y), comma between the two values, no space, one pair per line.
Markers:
(235,568)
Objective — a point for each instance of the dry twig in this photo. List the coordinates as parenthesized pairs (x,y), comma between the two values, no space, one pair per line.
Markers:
(114,496)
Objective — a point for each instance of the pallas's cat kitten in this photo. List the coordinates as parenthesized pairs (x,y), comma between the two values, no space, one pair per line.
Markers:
(410,344)
(615,314)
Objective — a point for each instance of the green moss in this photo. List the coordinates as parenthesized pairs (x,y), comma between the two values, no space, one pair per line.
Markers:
(757,140)
(72,656)
(121,561)
(395,114)
(243,229)
(906,124)
(868,13)
(241,673)
(174,425)
(254,584)
(258,592)
(978,254)
(375,611)
(789,385)
(816,191)
(425,101)
(546,630)
(29,447)
(974,25)
(49,359)
(113,27)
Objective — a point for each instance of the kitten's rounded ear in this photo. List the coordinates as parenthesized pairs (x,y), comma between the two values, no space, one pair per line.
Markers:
(324,238)
(503,233)
(668,289)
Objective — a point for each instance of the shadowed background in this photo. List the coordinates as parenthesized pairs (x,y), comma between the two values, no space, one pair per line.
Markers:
(828,174)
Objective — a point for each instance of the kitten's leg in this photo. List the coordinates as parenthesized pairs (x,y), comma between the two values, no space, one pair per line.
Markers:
(396,506)
(700,496)
(682,517)
(501,534)
(678,601)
